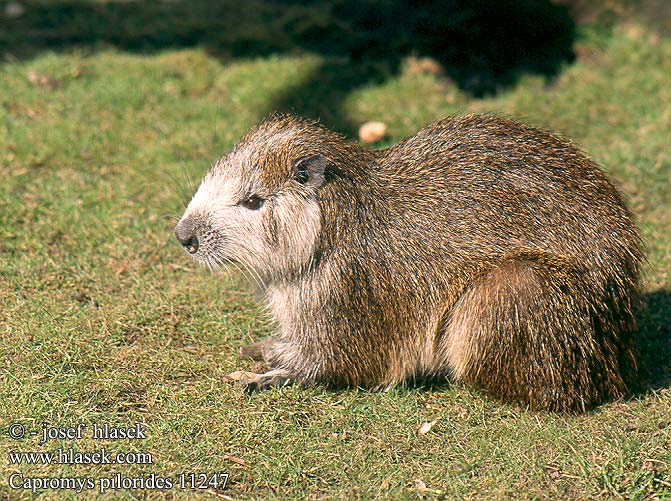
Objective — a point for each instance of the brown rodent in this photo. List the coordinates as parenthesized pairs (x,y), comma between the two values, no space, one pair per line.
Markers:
(480,249)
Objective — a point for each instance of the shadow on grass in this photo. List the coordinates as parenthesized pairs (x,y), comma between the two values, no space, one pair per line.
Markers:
(654,341)
(482,45)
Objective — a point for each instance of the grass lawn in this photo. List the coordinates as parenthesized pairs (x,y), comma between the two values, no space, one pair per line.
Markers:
(104,319)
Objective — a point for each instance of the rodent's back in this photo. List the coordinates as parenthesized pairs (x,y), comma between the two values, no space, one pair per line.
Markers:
(479,187)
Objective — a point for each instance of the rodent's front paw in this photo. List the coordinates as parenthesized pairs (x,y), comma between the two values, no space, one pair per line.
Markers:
(252,381)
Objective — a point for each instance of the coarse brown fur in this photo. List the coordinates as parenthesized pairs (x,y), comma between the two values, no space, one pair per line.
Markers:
(479,249)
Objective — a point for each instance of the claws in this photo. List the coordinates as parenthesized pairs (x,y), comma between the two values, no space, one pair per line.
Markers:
(252,382)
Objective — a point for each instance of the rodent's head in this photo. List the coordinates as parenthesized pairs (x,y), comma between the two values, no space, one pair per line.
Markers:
(258,206)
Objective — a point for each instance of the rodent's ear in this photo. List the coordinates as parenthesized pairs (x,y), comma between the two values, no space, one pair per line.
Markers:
(310,170)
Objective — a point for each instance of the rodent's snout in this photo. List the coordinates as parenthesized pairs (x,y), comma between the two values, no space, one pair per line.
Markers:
(186,234)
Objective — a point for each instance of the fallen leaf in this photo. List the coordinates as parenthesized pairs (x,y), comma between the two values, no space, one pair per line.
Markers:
(235,459)
(419,483)
(42,80)
(426,427)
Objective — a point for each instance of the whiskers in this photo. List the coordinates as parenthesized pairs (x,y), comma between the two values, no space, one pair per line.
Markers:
(185,186)
(173,217)
(216,263)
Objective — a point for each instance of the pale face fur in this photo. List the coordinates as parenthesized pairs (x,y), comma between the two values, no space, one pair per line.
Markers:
(269,240)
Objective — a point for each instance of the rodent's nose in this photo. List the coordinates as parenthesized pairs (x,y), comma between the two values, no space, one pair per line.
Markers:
(185,233)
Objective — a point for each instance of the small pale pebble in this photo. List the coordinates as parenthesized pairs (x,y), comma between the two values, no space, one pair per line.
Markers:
(371,132)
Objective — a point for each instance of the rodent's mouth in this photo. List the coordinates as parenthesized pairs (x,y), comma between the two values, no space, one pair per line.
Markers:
(213,262)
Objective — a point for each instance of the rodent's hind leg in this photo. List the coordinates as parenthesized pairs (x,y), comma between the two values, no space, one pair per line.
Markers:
(529,331)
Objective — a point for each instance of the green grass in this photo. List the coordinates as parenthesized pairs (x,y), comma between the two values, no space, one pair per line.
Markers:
(103,317)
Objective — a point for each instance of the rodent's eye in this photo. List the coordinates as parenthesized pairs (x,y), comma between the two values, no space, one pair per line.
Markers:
(253,202)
